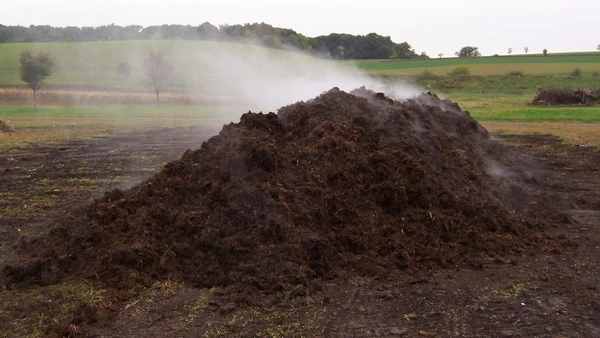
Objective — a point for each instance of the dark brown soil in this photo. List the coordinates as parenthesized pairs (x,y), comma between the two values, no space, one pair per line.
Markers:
(344,216)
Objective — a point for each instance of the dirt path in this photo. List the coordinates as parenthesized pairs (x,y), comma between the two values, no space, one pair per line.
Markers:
(547,295)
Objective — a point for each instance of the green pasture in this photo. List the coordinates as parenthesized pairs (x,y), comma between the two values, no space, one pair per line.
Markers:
(508,98)
(499,86)
(96,63)
(123,112)
(483,107)
(558,64)
(513,109)
(489,96)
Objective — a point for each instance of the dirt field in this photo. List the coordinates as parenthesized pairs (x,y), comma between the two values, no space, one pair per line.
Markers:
(555,293)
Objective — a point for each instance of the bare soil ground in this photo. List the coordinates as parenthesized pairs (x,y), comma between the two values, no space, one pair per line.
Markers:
(545,294)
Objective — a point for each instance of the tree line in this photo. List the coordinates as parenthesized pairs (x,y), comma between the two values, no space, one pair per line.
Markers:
(334,45)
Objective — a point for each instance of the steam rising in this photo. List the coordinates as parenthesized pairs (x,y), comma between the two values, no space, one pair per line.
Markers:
(266,79)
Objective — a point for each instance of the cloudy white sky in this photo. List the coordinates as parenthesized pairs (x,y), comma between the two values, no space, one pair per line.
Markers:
(433,26)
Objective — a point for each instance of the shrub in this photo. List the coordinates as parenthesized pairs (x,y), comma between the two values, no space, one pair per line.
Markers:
(515,73)
(595,74)
(460,71)
(576,72)
(427,75)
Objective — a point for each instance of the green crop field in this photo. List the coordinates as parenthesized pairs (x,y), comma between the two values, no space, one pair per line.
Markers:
(552,64)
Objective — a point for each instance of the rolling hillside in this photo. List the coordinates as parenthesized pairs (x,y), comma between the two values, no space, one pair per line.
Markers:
(96,63)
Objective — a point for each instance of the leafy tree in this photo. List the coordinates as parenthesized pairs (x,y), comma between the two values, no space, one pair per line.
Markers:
(509,51)
(526,49)
(337,46)
(545,52)
(404,51)
(468,51)
(440,55)
(207,31)
(35,69)
(159,71)
(598,48)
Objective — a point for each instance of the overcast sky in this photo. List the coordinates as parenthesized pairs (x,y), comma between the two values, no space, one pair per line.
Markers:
(433,26)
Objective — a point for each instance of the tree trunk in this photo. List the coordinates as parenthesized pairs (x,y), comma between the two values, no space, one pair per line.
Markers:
(158,98)
(34,100)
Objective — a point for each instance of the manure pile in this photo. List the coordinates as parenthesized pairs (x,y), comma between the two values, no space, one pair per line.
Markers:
(560,96)
(344,184)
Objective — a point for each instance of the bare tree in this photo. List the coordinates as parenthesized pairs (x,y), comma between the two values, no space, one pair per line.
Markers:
(159,71)
(35,69)
(442,54)
(526,49)
(509,51)
(545,52)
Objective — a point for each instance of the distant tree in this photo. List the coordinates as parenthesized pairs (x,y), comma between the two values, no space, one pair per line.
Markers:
(545,51)
(424,55)
(159,71)
(468,51)
(35,69)
(509,51)
(337,46)
(598,48)
(440,55)
(207,31)
(124,70)
(404,50)
(526,49)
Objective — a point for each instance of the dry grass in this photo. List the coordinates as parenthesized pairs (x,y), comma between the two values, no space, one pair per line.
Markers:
(59,96)
(5,127)
(573,133)
(41,130)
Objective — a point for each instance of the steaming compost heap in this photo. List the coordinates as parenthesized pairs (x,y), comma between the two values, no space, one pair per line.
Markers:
(344,184)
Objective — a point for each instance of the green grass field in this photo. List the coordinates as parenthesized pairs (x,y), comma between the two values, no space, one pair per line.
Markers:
(118,112)
(95,63)
(553,64)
